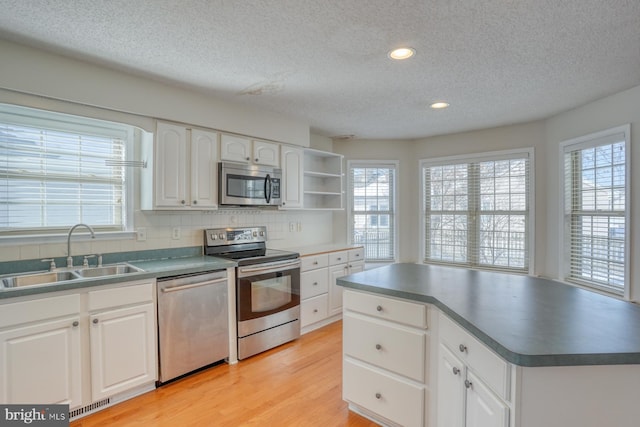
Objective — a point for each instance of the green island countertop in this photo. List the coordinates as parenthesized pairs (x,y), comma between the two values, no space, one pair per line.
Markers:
(529,321)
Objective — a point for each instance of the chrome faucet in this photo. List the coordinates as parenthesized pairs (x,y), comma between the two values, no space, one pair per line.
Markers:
(69,257)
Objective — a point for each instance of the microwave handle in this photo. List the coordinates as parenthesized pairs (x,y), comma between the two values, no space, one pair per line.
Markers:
(267,188)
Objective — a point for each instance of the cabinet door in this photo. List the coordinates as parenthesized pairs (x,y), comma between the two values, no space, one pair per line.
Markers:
(170,166)
(484,409)
(123,350)
(235,148)
(450,393)
(41,363)
(292,176)
(204,169)
(266,153)
(335,291)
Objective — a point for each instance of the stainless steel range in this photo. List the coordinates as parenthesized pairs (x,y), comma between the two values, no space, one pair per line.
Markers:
(267,287)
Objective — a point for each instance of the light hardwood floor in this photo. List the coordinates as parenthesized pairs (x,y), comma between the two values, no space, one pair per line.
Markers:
(296,384)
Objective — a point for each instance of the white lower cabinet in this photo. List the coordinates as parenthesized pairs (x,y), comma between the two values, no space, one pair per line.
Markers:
(41,363)
(320,296)
(78,348)
(473,382)
(41,351)
(385,354)
(122,350)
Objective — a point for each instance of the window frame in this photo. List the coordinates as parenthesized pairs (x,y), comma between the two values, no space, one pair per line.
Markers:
(382,164)
(66,122)
(529,153)
(593,140)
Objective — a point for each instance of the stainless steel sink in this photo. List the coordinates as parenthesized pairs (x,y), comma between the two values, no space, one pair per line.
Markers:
(38,279)
(107,270)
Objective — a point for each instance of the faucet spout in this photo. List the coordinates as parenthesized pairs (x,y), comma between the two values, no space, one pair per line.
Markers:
(69,257)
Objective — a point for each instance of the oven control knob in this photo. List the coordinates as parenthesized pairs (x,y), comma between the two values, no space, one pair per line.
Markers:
(262,233)
(214,236)
(221,236)
(255,234)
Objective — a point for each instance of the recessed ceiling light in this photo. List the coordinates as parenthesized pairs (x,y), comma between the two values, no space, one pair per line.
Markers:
(439,105)
(402,53)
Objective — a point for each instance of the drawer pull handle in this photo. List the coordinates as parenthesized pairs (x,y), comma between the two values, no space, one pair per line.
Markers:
(468,384)
(378,396)
(379,308)
(315,310)
(75,323)
(378,347)
(456,371)
(95,321)
(315,262)
(339,259)
(315,283)
(462,348)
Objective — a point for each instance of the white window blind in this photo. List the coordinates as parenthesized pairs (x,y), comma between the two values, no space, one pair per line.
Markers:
(595,202)
(372,203)
(476,211)
(57,170)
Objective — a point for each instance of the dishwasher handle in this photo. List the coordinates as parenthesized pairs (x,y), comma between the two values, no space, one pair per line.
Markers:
(191,285)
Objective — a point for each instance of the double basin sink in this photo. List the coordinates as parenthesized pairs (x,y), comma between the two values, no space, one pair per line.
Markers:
(50,277)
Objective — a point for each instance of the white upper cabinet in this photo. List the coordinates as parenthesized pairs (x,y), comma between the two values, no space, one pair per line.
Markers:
(244,150)
(292,175)
(183,174)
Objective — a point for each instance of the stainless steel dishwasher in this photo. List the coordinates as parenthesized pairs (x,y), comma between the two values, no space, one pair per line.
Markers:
(193,322)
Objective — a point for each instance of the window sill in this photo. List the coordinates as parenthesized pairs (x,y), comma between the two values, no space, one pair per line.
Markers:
(38,239)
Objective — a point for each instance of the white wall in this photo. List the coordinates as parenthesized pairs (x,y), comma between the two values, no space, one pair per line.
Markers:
(39,79)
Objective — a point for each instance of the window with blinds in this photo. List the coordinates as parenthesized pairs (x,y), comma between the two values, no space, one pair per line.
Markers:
(372,209)
(57,170)
(476,211)
(595,209)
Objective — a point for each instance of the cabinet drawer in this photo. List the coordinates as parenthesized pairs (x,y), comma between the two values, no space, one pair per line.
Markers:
(314,261)
(313,310)
(380,307)
(390,346)
(356,254)
(124,295)
(314,282)
(399,401)
(493,370)
(340,257)
(40,309)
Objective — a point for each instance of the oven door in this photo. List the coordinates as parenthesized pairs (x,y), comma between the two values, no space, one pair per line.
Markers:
(264,290)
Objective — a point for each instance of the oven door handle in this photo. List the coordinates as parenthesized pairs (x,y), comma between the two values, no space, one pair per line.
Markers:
(269,267)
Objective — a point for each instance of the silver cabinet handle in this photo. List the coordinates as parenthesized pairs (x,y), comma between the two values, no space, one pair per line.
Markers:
(379,308)
(95,321)
(257,160)
(315,310)
(315,283)
(75,323)
(468,384)
(315,262)
(182,202)
(378,347)
(462,348)
(195,202)
(378,396)
(456,371)
(248,158)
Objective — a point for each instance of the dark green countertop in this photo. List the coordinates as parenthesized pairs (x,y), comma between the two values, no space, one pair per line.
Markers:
(152,269)
(529,321)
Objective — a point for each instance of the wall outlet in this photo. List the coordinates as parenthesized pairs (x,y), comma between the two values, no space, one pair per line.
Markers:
(299,227)
(141,234)
(175,233)
(292,227)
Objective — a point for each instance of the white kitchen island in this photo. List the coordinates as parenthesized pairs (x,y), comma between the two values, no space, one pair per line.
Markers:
(494,350)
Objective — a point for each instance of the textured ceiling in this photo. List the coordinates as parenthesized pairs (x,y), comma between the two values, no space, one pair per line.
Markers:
(325,62)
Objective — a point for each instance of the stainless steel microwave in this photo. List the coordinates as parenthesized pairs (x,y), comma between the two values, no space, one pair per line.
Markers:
(248,185)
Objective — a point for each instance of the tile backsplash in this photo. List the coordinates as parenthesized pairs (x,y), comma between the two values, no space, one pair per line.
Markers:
(183,229)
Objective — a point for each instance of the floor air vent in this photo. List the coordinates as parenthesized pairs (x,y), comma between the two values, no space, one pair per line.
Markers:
(89,408)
